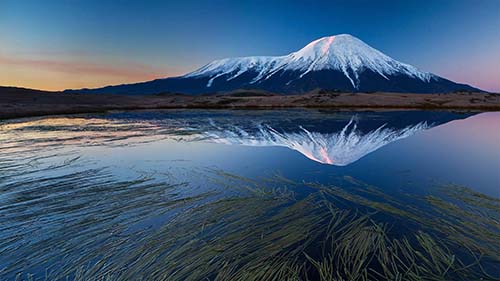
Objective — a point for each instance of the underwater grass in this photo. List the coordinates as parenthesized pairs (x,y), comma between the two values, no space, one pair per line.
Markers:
(260,236)
(354,248)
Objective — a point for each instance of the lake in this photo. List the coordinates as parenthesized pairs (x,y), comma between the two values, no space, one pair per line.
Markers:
(251,195)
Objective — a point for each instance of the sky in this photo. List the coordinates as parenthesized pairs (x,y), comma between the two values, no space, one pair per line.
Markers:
(61,44)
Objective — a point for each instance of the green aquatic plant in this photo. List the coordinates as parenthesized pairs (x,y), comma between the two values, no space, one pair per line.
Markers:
(353,247)
(259,236)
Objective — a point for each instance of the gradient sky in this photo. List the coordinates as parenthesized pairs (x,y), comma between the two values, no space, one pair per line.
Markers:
(56,45)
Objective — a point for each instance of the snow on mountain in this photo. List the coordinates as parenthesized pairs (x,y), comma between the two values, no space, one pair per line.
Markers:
(343,53)
(234,66)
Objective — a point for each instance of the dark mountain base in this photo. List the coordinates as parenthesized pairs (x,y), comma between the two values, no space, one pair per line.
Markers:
(287,82)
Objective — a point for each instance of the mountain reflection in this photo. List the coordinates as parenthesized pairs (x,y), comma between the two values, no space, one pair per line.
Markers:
(339,148)
(339,142)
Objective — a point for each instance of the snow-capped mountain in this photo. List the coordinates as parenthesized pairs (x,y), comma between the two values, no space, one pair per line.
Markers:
(340,62)
(343,53)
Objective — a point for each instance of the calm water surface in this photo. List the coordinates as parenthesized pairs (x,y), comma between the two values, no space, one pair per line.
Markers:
(251,195)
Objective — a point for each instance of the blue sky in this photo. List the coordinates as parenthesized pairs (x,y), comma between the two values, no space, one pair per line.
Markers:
(69,44)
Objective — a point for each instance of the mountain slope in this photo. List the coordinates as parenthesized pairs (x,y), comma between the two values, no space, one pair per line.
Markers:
(340,62)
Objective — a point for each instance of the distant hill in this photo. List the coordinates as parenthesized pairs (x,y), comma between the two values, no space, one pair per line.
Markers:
(19,90)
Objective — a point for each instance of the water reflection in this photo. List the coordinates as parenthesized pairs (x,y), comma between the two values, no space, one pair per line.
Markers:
(160,195)
(329,138)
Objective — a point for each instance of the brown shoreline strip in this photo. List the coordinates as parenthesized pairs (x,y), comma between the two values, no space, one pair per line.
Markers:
(17,103)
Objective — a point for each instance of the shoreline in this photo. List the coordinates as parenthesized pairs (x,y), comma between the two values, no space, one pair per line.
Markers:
(20,103)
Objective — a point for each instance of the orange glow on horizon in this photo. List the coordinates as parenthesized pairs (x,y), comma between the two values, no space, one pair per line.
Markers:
(55,75)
